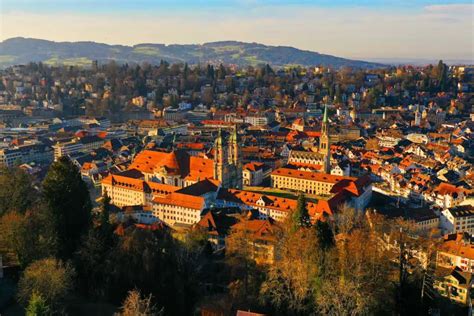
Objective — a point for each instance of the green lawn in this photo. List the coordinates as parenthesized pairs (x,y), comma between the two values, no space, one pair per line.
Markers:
(6,58)
(79,61)
(253,60)
(147,50)
(283,193)
(228,48)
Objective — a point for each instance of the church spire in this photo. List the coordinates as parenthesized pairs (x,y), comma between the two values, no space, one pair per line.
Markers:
(219,148)
(325,116)
(219,137)
(324,146)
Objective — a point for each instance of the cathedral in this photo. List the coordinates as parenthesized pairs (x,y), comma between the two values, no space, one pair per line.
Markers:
(227,160)
(180,169)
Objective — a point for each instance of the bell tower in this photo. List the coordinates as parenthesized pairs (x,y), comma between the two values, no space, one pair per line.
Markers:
(219,157)
(235,159)
(227,160)
(324,144)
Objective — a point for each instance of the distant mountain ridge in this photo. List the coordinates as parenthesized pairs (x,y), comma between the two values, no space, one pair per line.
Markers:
(21,50)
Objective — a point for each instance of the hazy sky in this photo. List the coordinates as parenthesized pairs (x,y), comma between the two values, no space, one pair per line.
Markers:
(356,29)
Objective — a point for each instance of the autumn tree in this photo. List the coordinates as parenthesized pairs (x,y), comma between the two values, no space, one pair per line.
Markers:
(358,271)
(50,278)
(244,276)
(137,305)
(27,237)
(37,306)
(17,193)
(291,281)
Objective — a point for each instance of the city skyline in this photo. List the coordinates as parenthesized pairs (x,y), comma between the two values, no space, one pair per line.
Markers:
(370,29)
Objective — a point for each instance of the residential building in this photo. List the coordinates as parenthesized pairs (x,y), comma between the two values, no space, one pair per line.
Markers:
(458,219)
(262,237)
(67,148)
(256,120)
(253,173)
(127,191)
(454,284)
(267,206)
(28,153)
(456,250)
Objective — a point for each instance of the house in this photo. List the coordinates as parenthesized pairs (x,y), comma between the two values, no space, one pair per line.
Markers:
(458,219)
(267,206)
(456,250)
(446,195)
(139,214)
(453,284)
(261,238)
(217,224)
(253,173)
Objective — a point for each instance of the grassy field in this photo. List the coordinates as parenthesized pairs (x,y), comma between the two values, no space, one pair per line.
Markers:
(80,61)
(7,58)
(253,60)
(228,48)
(284,194)
(146,50)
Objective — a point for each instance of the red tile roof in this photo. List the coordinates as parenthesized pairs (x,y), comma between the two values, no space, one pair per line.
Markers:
(183,200)
(307,175)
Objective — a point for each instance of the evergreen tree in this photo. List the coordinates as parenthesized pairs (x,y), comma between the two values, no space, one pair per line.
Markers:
(66,196)
(442,76)
(91,258)
(221,72)
(104,220)
(324,235)
(300,216)
(210,72)
(268,70)
(186,71)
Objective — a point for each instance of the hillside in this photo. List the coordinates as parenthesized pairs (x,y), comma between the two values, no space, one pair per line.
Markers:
(23,50)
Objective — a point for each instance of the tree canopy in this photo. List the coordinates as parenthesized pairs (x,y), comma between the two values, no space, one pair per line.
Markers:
(67,199)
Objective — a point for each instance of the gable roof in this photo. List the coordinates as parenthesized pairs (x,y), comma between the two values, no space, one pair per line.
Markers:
(258,228)
(216,222)
(183,200)
(138,184)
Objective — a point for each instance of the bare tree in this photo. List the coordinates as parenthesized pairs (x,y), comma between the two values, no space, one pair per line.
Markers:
(136,305)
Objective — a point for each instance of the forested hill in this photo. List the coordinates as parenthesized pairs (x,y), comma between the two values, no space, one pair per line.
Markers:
(21,50)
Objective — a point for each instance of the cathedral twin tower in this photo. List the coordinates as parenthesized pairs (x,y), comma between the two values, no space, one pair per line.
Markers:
(227,160)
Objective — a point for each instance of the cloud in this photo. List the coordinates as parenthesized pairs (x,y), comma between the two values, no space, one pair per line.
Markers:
(457,8)
(436,31)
